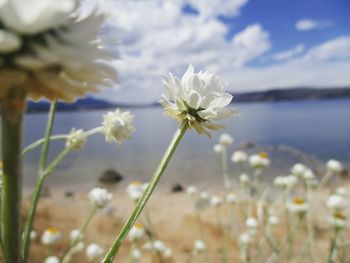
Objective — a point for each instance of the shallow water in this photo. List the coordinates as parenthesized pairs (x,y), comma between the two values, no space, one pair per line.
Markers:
(319,128)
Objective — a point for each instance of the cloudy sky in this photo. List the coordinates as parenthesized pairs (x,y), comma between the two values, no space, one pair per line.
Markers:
(252,44)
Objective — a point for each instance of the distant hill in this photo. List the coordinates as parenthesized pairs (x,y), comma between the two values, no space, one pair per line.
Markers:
(275,95)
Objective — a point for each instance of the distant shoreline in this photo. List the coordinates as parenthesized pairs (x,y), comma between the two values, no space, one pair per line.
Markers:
(273,95)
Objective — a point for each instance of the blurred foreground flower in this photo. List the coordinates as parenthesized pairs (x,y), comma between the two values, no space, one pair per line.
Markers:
(100,197)
(52,259)
(298,206)
(93,252)
(136,189)
(50,50)
(50,236)
(198,98)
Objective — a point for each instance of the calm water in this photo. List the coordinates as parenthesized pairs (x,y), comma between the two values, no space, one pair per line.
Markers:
(320,128)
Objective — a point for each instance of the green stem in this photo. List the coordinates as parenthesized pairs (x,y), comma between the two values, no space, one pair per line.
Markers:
(333,247)
(39,184)
(11,199)
(147,194)
(39,142)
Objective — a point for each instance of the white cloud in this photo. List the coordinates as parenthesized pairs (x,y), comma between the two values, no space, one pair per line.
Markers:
(288,54)
(310,24)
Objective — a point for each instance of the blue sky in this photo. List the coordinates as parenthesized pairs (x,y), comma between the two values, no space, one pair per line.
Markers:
(252,44)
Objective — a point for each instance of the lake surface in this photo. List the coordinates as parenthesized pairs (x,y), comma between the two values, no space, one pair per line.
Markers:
(319,128)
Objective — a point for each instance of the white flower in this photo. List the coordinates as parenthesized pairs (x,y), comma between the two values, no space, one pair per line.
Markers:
(94,251)
(239,157)
(52,49)
(78,247)
(159,246)
(244,178)
(334,166)
(76,139)
(298,169)
(75,234)
(199,99)
(136,254)
(136,189)
(204,195)
(199,245)
(226,139)
(337,219)
(52,259)
(285,181)
(245,238)
(336,202)
(215,201)
(136,232)
(341,191)
(298,206)
(33,235)
(308,175)
(117,126)
(251,223)
(259,160)
(168,252)
(231,198)
(50,236)
(273,221)
(100,197)
(218,148)
(191,190)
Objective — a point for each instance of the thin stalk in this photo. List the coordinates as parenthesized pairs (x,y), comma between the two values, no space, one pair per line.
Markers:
(223,238)
(333,246)
(35,197)
(39,142)
(13,106)
(147,194)
(81,232)
(227,181)
(310,236)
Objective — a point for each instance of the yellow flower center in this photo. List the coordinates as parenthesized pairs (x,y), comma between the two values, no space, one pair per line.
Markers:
(138,226)
(339,215)
(299,201)
(52,230)
(1,164)
(135,183)
(263,155)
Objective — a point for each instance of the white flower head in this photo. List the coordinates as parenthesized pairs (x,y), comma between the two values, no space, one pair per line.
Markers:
(199,245)
(239,157)
(337,219)
(273,220)
(298,206)
(244,178)
(136,254)
(334,166)
(298,169)
(33,235)
(52,259)
(251,223)
(53,49)
(76,139)
(191,190)
(100,197)
(308,175)
(50,236)
(136,189)
(198,98)
(226,139)
(218,148)
(75,234)
(215,201)
(245,238)
(285,181)
(168,252)
(159,246)
(94,252)
(204,195)
(117,126)
(341,191)
(336,202)
(259,161)
(231,198)
(136,232)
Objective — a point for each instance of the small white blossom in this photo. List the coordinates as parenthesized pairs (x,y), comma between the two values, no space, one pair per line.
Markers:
(341,191)
(298,206)
(251,223)
(245,238)
(226,139)
(100,197)
(199,245)
(204,195)
(52,259)
(75,234)
(136,189)
(136,254)
(273,221)
(285,181)
(231,198)
(218,148)
(117,126)
(76,139)
(94,252)
(334,166)
(337,220)
(215,201)
(159,246)
(308,175)
(259,161)
(136,232)
(33,235)
(298,169)
(198,98)
(168,252)
(50,236)
(244,178)
(191,190)
(239,157)
(336,202)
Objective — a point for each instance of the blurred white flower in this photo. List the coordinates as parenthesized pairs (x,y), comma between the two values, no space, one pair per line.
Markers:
(334,166)
(52,259)
(298,169)
(117,126)
(94,252)
(76,139)
(226,139)
(285,181)
(245,238)
(273,220)
(215,201)
(341,191)
(136,189)
(75,234)
(260,160)
(50,236)
(218,148)
(251,223)
(244,178)
(231,198)
(168,252)
(159,246)
(53,50)
(100,197)
(191,190)
(336,202)
(337,220)
(136,232)
(33,235)
(199,99)
(298,206)
(239,157)
(199,245)
(308,175)
(204,195)
(136,254)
